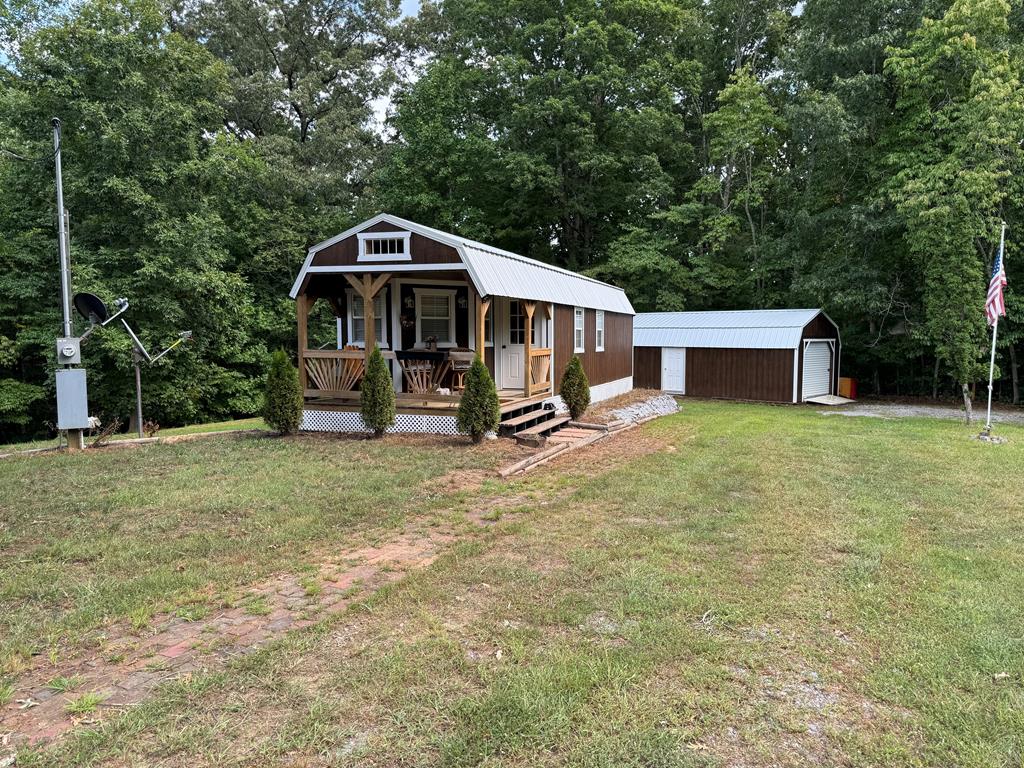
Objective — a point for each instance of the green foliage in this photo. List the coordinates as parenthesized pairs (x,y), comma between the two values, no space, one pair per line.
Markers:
(16,400)
(479,407)
(377,395)
(282,406)
(952,153)
(575,389)
(714,155)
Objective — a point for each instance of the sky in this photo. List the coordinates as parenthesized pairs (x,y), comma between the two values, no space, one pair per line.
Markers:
(410,7)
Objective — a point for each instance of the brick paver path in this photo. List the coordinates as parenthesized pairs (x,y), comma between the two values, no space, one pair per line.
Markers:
(131,665)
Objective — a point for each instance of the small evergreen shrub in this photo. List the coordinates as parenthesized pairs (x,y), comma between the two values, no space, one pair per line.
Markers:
(575,389)
(479,409)
(377,395)
(282,403)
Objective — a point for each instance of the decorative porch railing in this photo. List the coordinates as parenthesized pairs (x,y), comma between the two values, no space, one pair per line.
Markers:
(540,370)
(333,370)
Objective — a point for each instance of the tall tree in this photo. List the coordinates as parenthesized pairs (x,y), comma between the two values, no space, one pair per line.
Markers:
(145,179)
(953,151)
(580,102)
(304,81)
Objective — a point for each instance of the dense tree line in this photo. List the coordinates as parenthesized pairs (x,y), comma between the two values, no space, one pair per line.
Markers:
(718,154)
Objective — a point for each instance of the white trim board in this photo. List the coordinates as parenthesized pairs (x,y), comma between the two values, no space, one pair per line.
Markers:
(599,392)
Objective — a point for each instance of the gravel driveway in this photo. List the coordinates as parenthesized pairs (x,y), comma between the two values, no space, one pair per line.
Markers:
(902,411)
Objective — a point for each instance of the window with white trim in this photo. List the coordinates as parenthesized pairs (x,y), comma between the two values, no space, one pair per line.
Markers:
(599,334)
(384,246)
(578,337)
(435,316)
(357,320)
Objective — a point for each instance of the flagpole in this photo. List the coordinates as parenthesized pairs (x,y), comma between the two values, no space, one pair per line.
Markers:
(995,330)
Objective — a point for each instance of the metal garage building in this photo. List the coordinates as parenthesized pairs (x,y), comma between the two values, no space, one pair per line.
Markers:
(777,355)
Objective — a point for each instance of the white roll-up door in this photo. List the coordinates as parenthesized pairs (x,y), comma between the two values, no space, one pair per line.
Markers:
(817,375)
(673,369)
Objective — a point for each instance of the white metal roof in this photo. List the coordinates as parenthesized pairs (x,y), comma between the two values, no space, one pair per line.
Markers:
(496,272)
(741,329)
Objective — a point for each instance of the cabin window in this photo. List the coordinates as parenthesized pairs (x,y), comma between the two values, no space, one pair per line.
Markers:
(357,320)
(384,246)
(516,322)
(435,317)
(577,330)
(599,335)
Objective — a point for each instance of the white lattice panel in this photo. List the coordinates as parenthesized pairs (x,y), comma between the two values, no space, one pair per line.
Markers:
(351,421)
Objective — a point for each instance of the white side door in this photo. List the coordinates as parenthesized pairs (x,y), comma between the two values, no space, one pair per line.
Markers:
(512,343)
(817,374)
(673,369)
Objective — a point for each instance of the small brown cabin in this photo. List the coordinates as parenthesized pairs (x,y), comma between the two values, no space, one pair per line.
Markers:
(432,301)
(774,355)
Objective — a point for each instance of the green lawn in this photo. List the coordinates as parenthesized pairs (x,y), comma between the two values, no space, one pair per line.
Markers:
(734,585)
(215,426)
(126,533)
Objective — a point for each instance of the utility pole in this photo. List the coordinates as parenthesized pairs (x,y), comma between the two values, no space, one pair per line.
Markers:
(72,398)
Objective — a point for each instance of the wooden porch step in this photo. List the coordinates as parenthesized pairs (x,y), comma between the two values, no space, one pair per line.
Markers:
(544,426)
(525,418)
(518,405)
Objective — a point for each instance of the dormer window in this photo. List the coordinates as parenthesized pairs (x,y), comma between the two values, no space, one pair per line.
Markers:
(384,246)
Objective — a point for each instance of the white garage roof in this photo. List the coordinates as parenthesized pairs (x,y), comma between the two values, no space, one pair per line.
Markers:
(742,329)
(496,272)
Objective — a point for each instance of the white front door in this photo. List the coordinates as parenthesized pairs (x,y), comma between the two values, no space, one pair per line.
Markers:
(673,369)
(817,375)
(512,343)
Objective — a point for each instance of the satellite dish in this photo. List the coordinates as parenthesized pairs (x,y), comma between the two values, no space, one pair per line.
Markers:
(91,307)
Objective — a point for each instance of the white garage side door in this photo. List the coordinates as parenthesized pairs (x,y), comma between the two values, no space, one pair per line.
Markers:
(817,378)
(673,369)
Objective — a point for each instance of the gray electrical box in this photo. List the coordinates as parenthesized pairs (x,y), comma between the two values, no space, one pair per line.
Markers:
(69,351)
(72,400)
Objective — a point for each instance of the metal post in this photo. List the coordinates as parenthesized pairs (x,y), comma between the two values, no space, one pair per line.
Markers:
(76,437)
(138,392)
(995,330)
(65,260)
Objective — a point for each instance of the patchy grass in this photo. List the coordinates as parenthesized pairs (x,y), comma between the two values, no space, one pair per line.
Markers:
(84,704)
(63,684)
(168,528)
(760,586)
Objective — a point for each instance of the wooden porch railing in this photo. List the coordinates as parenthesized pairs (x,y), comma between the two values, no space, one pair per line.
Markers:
(540,370)
(333,371)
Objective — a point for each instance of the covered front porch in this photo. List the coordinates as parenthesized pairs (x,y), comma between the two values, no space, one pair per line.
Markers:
(429,325)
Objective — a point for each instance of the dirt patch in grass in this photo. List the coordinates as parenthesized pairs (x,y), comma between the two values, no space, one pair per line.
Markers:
(601,413)
(616,450)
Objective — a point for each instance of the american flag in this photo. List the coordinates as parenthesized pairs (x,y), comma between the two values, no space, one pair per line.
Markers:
(995,305)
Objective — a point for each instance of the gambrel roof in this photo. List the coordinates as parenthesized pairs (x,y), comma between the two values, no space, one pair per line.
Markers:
(495,272)
(740,329)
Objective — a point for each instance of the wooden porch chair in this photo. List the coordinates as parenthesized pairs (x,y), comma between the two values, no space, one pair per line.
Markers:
(462,361)
(419,375)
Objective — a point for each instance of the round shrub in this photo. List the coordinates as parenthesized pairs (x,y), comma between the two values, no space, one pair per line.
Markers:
(377,395)
(575,389)
(479,409)
(282,402)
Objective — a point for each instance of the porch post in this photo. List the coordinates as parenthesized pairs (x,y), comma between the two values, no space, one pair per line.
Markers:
(368,289)
(368,318)
(302,321)
(529,307)
(482,306)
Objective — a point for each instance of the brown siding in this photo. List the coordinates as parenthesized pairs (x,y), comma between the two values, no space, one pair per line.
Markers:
(647,367)
(819,328)
(616,362)
(741,374)
(424,250)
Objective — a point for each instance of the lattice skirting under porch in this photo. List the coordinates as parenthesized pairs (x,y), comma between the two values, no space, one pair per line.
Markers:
(351,421)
